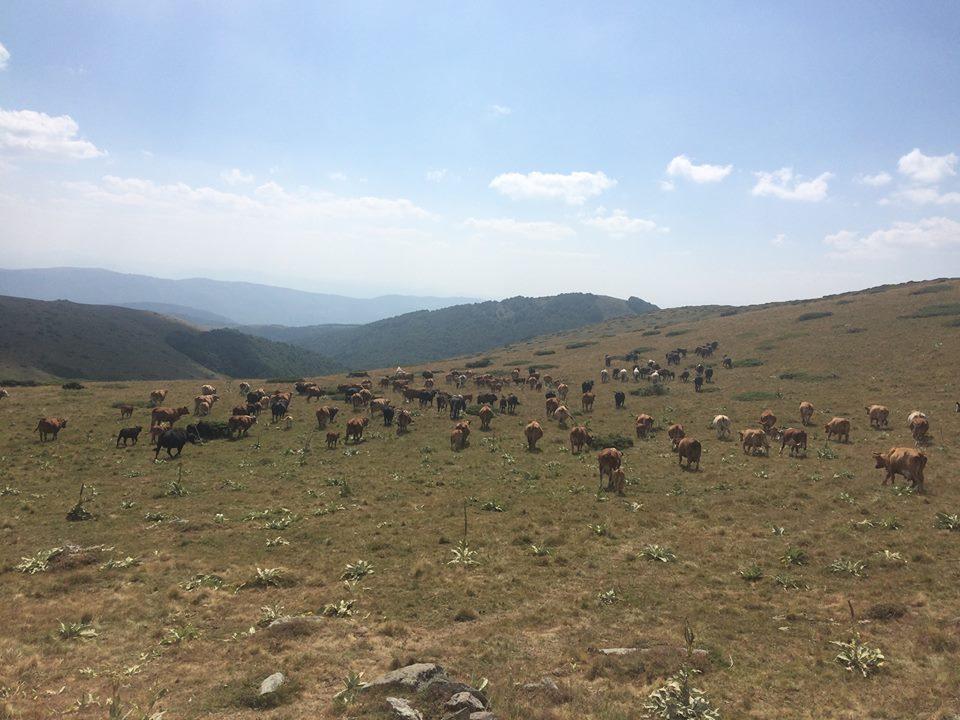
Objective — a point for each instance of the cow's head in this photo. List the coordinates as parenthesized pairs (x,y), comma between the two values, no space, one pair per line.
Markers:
(193,434)
(880,460)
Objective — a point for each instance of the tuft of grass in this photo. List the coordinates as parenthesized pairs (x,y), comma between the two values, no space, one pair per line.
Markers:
(857,656)
(752,573)
(651,390)
(82,630)
(747,362)
(614,440)
(944,521)
(929,311)
(580,344)
(542,353)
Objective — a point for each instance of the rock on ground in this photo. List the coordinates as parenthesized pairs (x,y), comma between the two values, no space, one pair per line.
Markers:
(403,710)
(272,683)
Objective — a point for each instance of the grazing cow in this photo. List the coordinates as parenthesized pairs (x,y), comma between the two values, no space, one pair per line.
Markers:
(332,439)
(654,377)
(699,368)
(50,426)
(176,438)
(644,425)
(919,429)
(388,412)
(561,414)
(806,413)
(241,424)
(721,423)
(404,421)
(878,415)
(326,414)
(624,376)
(503,405)
(768,421)
(618,481)
(579,437)
(208,390)
(586,401)
(203,403)
(902,461)
(378,405)
(486,415)
(355,428)
(689,449)
(254,396)
(709,374)
(698,383)
(916,414)
(604,376)
(619,398)
(685,376)
(130,433)
(244,388)
(754,441)
(676,434)
(4,393)
(586,386)
(551,406)
(278,408)
(314,391)
(796,439)
(512,402)
(457,439)
(486,398)
(562,390)
(125,411)
(533,432)
(840,427)
(157,397)
(458,404)
(442,400)
(170,415)
(609,459)
(727,363)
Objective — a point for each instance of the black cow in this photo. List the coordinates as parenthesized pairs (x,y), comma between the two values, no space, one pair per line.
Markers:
(388,413)
(131,433)
(425,397)
(503,405)
(685,375)
(254,397)
(278,408)
(486,399)
(176,438)
(586,386)
(619,398)
(709,374)
(549,394)
(512,402)
(698,383)
(457,406)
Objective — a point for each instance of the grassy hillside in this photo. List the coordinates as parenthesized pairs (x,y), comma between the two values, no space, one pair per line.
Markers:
(760,555)
(431,335)
(45,340)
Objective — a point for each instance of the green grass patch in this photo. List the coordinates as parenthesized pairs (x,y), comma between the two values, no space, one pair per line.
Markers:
(806,377)
(675,333)
(481,363)
(930,289)
(650,390)
(755,395)
(541,353)
(814,315)
(936,311)
(748,362)
(580,344)
(648,333)
(617,440)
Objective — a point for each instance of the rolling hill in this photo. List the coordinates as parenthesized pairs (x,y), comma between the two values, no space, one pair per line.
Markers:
(61,339)
(459,330)
(236,303)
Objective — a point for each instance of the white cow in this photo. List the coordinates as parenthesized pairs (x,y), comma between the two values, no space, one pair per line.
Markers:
(722,425)
(915,415)
(624,375)
(636,374)
(604,376)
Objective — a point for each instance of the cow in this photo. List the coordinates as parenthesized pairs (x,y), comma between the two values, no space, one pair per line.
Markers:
(130,433)
(157,430)
(586,386)
(796,439)
(458,404)
(457,439)
(902,461)
(561,414)
(754,441)
(326,414)
(378,405)
(314,391)
(806,413)
(244,388)
(486,415)
(676,434)
(208,390)
(50,426)
(840,427)
(332,439)
(486,398)
(254,396)
(532,432)
(579,437)
(721,423)
(442,400)
(604,376)
(503,405)
(689,449)
(708,374)
(916,414)
(176,438)
(388,412)
(355,428)
(697,383)
(170,415)
(727,363)
(551,406)
(919,429)
(203,403)
(685,376)
(125,411)
(586,401)
(878,415)
(644,425)
(609,459)
(157,397)
(768,421)
(562,390)
(3,393)
(278,408)
(241,424)
(619,398)
(404,421)
(512,402)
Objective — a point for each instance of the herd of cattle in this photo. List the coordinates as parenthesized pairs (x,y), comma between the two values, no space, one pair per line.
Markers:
(496,391)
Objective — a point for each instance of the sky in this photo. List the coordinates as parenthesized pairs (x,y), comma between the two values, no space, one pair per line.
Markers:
(685,153)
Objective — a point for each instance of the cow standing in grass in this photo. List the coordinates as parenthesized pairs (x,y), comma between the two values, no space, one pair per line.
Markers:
(902,461)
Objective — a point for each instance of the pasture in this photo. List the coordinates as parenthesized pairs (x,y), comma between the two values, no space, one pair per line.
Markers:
(763,557)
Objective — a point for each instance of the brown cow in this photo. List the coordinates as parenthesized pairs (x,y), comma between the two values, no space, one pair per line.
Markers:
(158,396)
(355,428)
(561,414)
(919,427)
(676,434)
(902,461)
(457,439)
(378,404)
(332,439)
(241,424)
(203,403)
(840,427)
(125,411)
(551,405)
(562,390)
(50,426)
(326,414)
(404,420)
(609,459)
(644,425)
(878,415)
(486,415)
(533,432)
(768,420)
(618,481)
(208,390)
(157,430)
(313,391)
(690,449)
(579,437)
(806,412)
(796,439)
(754,441)
(170,415)
(586,401)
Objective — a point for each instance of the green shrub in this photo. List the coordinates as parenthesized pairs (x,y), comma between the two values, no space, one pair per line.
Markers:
(814,315)
(807,377)
(540,353)
(580,344)
(650,390)
(648,333)
(729,313)
(675,333)
(615,440)
(747,362)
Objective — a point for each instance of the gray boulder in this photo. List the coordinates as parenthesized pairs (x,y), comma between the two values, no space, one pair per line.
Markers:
(403,710)
(411,677)
(271,684)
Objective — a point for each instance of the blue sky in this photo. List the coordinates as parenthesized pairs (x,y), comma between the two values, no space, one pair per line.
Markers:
(682,152)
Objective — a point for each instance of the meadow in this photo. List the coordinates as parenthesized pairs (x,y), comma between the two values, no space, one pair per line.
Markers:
(162,598)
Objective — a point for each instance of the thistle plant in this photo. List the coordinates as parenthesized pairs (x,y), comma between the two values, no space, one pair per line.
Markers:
(540,550)
(752,573)
(944,521)
(464,555)
(78,630)
(40,562)
(794,556)
(658,553)
(857,656)
(357,570)
(856,568)
(339,609)
(608,597)
(676,699)
(352,684)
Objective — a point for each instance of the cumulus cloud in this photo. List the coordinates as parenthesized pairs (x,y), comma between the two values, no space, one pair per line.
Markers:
(436,176)
(935,233)
(927,168)
(36,133)
(619,224)
(877,180)
(926,196)
(682,166)
(573,188)
(530,230)
(784,185)
(234,176)
(4,57)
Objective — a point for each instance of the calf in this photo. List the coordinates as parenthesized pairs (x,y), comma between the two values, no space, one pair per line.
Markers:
(676,434)
(902,461)
(125,411)
(796,439)
(919,429)
(457,439)
(840,427)
(532,432)
(332,439)
(768,421)
(241,424)
(689,449)
(170,415)
(878,415)
(157,397)
(609,460)
(644,425)
(50,426)
(326,414)
(130,433)
(806,413)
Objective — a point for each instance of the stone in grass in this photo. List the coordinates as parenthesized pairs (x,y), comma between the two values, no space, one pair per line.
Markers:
(462,700)
(411,677)
(403,710)
(545,683)
(271,684)
(483,715)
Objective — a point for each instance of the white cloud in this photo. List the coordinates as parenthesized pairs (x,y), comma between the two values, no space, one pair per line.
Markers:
(877,180)
(574,188)
(337,176)
(28,131)
(779,240)
(682,166)
(926,196)
(936,233)
(619,224)
(500,110)
(436,175)
(784,185)
(667,185)
(234,176)
(927,168)
(536,230)
(4,57)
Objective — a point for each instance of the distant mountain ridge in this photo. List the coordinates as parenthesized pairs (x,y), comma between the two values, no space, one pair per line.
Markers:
(234,303)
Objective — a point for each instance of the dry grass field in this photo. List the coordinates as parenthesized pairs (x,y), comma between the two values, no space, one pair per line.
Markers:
(185,619)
